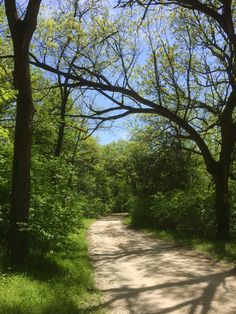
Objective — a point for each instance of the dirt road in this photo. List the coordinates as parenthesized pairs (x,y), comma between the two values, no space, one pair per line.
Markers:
(141,275)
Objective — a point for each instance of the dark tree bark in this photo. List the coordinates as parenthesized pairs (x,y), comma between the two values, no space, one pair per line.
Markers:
(222,207)
(221,176)
(21,32)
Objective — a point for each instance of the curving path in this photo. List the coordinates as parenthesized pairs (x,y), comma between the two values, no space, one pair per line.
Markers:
(139,275)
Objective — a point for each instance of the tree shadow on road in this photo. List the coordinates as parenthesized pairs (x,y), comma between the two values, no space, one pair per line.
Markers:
(195,283)
(204,300)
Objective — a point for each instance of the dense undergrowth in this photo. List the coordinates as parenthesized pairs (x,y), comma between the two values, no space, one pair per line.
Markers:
(60,283)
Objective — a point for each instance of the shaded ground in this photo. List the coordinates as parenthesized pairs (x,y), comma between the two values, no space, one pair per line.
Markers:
(140,275)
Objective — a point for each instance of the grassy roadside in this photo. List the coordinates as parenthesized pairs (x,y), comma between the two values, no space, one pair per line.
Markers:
(217,249)
(63,284)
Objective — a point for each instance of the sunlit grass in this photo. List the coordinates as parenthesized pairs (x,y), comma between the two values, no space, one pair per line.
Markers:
(62,284)
(219,249)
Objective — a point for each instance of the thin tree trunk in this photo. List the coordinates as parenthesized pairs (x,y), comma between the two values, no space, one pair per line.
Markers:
(73,159)
(60,139)
(62,125)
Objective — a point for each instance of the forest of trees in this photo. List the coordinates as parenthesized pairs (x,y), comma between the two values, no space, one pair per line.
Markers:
(68,68)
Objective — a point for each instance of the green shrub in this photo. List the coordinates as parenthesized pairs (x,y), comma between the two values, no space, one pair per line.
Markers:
(92,207)
(54,211)
(50,224)
(6,153)
(187,212)
(140,211)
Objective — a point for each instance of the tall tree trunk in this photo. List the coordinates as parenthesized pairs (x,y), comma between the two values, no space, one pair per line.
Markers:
(22,149)
(21,33)
(222,206)
(221,176)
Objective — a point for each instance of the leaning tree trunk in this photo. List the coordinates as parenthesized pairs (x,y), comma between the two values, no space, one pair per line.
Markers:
(21,34)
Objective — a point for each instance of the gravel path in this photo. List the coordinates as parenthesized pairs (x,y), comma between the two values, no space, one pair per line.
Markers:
(139,275)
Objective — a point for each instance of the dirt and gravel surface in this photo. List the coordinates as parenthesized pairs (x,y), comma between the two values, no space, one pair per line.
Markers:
(138,274)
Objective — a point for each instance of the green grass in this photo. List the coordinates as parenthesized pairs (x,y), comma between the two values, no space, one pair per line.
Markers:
(218,249)
(62,284)
(127,221)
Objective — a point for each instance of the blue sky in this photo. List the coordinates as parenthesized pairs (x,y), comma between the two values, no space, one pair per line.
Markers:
(114,133)
(107,136)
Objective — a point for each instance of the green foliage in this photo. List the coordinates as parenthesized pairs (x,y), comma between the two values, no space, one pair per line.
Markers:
(159,168)
(170,186)
(64,189)
(117,170)
(6,149)
(92,208)
(7,114)
(54,212)
(90,180)
(186,207)
(189,212)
